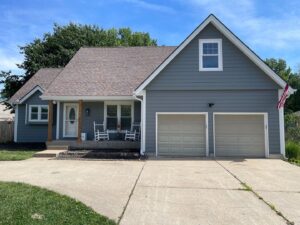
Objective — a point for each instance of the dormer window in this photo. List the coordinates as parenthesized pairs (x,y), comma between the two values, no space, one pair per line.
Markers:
(210,57)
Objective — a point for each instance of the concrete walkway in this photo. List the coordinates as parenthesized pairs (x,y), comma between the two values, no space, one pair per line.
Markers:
(171,191)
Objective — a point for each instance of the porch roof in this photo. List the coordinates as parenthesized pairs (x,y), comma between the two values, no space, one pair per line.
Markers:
(103,71)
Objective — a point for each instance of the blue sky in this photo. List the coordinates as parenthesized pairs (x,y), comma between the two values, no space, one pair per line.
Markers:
(271,28)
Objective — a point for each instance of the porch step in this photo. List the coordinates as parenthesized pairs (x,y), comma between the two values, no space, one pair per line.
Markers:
(49,153)
(57,147)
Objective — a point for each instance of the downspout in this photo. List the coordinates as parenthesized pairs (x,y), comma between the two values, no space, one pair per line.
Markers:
(142,146)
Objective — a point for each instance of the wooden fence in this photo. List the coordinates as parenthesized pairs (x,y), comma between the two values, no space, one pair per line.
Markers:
(6,131)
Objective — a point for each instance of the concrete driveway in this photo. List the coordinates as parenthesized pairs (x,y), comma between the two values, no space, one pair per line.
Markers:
(155,192)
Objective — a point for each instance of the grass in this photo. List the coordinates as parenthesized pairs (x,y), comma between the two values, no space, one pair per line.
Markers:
(293,152)
(26,204)
(10,155)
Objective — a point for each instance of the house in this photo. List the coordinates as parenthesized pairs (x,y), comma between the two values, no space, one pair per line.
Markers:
(209,96)
(5,114)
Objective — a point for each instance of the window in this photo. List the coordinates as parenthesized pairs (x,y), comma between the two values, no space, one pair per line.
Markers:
(112,117)
(118,115)
(38,113)
(125,117)
(210,55)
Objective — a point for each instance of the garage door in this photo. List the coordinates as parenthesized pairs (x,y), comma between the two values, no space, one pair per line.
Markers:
(240,135)
(181,135)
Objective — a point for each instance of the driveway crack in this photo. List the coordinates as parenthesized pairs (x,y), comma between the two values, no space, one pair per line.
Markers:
(130,195)
(249,188)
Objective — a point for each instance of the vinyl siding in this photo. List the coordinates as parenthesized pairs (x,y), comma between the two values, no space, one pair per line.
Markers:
(33,131)
(225,101)
(239,72)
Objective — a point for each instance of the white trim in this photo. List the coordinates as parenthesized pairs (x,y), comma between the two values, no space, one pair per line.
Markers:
(212,19)
(118,104)
(16,123)
(39,113)
(57,119)
(281,125)
(220,54)
(142,101)
(144,122)
(64,119)
(181,113)
(26,113)
(87,98)
(266,127)
(30,93)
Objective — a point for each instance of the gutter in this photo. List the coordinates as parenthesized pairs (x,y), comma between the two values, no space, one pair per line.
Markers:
(142,150)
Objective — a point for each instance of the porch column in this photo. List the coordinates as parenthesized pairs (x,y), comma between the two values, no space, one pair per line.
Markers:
(79,120)
(50,120)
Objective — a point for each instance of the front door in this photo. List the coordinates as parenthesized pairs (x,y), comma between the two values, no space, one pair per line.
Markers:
(70,120)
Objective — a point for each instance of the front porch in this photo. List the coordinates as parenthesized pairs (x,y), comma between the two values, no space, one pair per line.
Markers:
(71,124)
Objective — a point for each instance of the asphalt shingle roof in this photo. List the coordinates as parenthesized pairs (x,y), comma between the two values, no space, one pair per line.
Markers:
(115,71)
(42,78)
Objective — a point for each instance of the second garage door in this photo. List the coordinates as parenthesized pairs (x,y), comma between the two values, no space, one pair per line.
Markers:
(240,135)
(181,135)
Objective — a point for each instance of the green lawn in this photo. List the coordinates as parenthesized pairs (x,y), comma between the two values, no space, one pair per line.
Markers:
(7,155)
(25,204)
(295,161)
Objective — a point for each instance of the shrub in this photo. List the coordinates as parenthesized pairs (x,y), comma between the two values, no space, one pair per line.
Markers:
(292,127)
(292,150)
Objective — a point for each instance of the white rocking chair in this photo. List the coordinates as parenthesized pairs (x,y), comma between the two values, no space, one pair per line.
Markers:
(130,136)
(135,132)
(99,133)
(137,127)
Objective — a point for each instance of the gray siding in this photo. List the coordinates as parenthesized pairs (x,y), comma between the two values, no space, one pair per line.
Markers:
(137,111)
(96,114)
(225,101)
(238,71)
(33,131)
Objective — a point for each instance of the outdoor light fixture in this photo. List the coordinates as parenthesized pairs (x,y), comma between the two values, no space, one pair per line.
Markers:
(87,112)
(211,105)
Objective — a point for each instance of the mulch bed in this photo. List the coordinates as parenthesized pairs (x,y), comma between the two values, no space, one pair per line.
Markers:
(100,154)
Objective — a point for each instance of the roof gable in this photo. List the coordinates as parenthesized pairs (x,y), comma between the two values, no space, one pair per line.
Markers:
(230,36)
(39,81)
(238,72)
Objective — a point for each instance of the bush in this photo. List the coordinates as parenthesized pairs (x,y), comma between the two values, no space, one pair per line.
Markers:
(292,127)
(292,150)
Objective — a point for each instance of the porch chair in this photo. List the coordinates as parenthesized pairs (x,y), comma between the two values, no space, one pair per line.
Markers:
(137,127)
(130,135)
(99,133)
(134,133)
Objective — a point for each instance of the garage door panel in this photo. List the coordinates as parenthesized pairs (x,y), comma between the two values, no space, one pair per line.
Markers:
(181,135)
(239,135)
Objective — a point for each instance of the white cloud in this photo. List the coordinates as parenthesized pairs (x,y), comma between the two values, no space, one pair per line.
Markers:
(263,31)
(8,62)
(151,6)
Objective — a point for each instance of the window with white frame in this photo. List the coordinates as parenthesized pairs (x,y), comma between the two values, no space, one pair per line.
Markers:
(118,115)
(125,117)
(210,57)
(112,117)
(38,113)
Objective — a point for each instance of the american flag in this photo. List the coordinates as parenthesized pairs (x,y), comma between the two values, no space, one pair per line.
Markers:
(283,97)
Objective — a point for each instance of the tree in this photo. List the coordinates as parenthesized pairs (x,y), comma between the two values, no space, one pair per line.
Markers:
(280,67)
(57,48)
